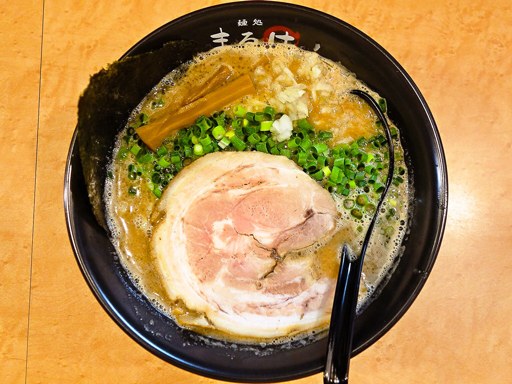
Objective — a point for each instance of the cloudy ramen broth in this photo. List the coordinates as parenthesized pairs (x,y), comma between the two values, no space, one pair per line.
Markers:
(295,82)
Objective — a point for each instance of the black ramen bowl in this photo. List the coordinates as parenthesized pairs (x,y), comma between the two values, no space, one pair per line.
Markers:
(338,41)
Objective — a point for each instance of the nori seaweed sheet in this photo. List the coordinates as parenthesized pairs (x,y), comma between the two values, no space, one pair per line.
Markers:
(106,104)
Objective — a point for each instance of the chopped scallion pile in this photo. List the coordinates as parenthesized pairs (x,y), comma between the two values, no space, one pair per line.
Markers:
(354,171)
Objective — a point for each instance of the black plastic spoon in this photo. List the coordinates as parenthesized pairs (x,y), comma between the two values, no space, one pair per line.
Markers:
(339,347)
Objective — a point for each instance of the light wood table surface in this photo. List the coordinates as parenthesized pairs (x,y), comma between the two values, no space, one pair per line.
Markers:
(459,53)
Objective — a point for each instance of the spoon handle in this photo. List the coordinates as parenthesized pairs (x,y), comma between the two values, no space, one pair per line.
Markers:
(342,319)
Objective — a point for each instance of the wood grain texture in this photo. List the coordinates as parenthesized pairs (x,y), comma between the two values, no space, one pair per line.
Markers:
(20,36)
(458,53)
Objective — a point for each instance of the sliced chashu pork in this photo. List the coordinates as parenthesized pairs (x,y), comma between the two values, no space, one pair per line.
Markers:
(224,235)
